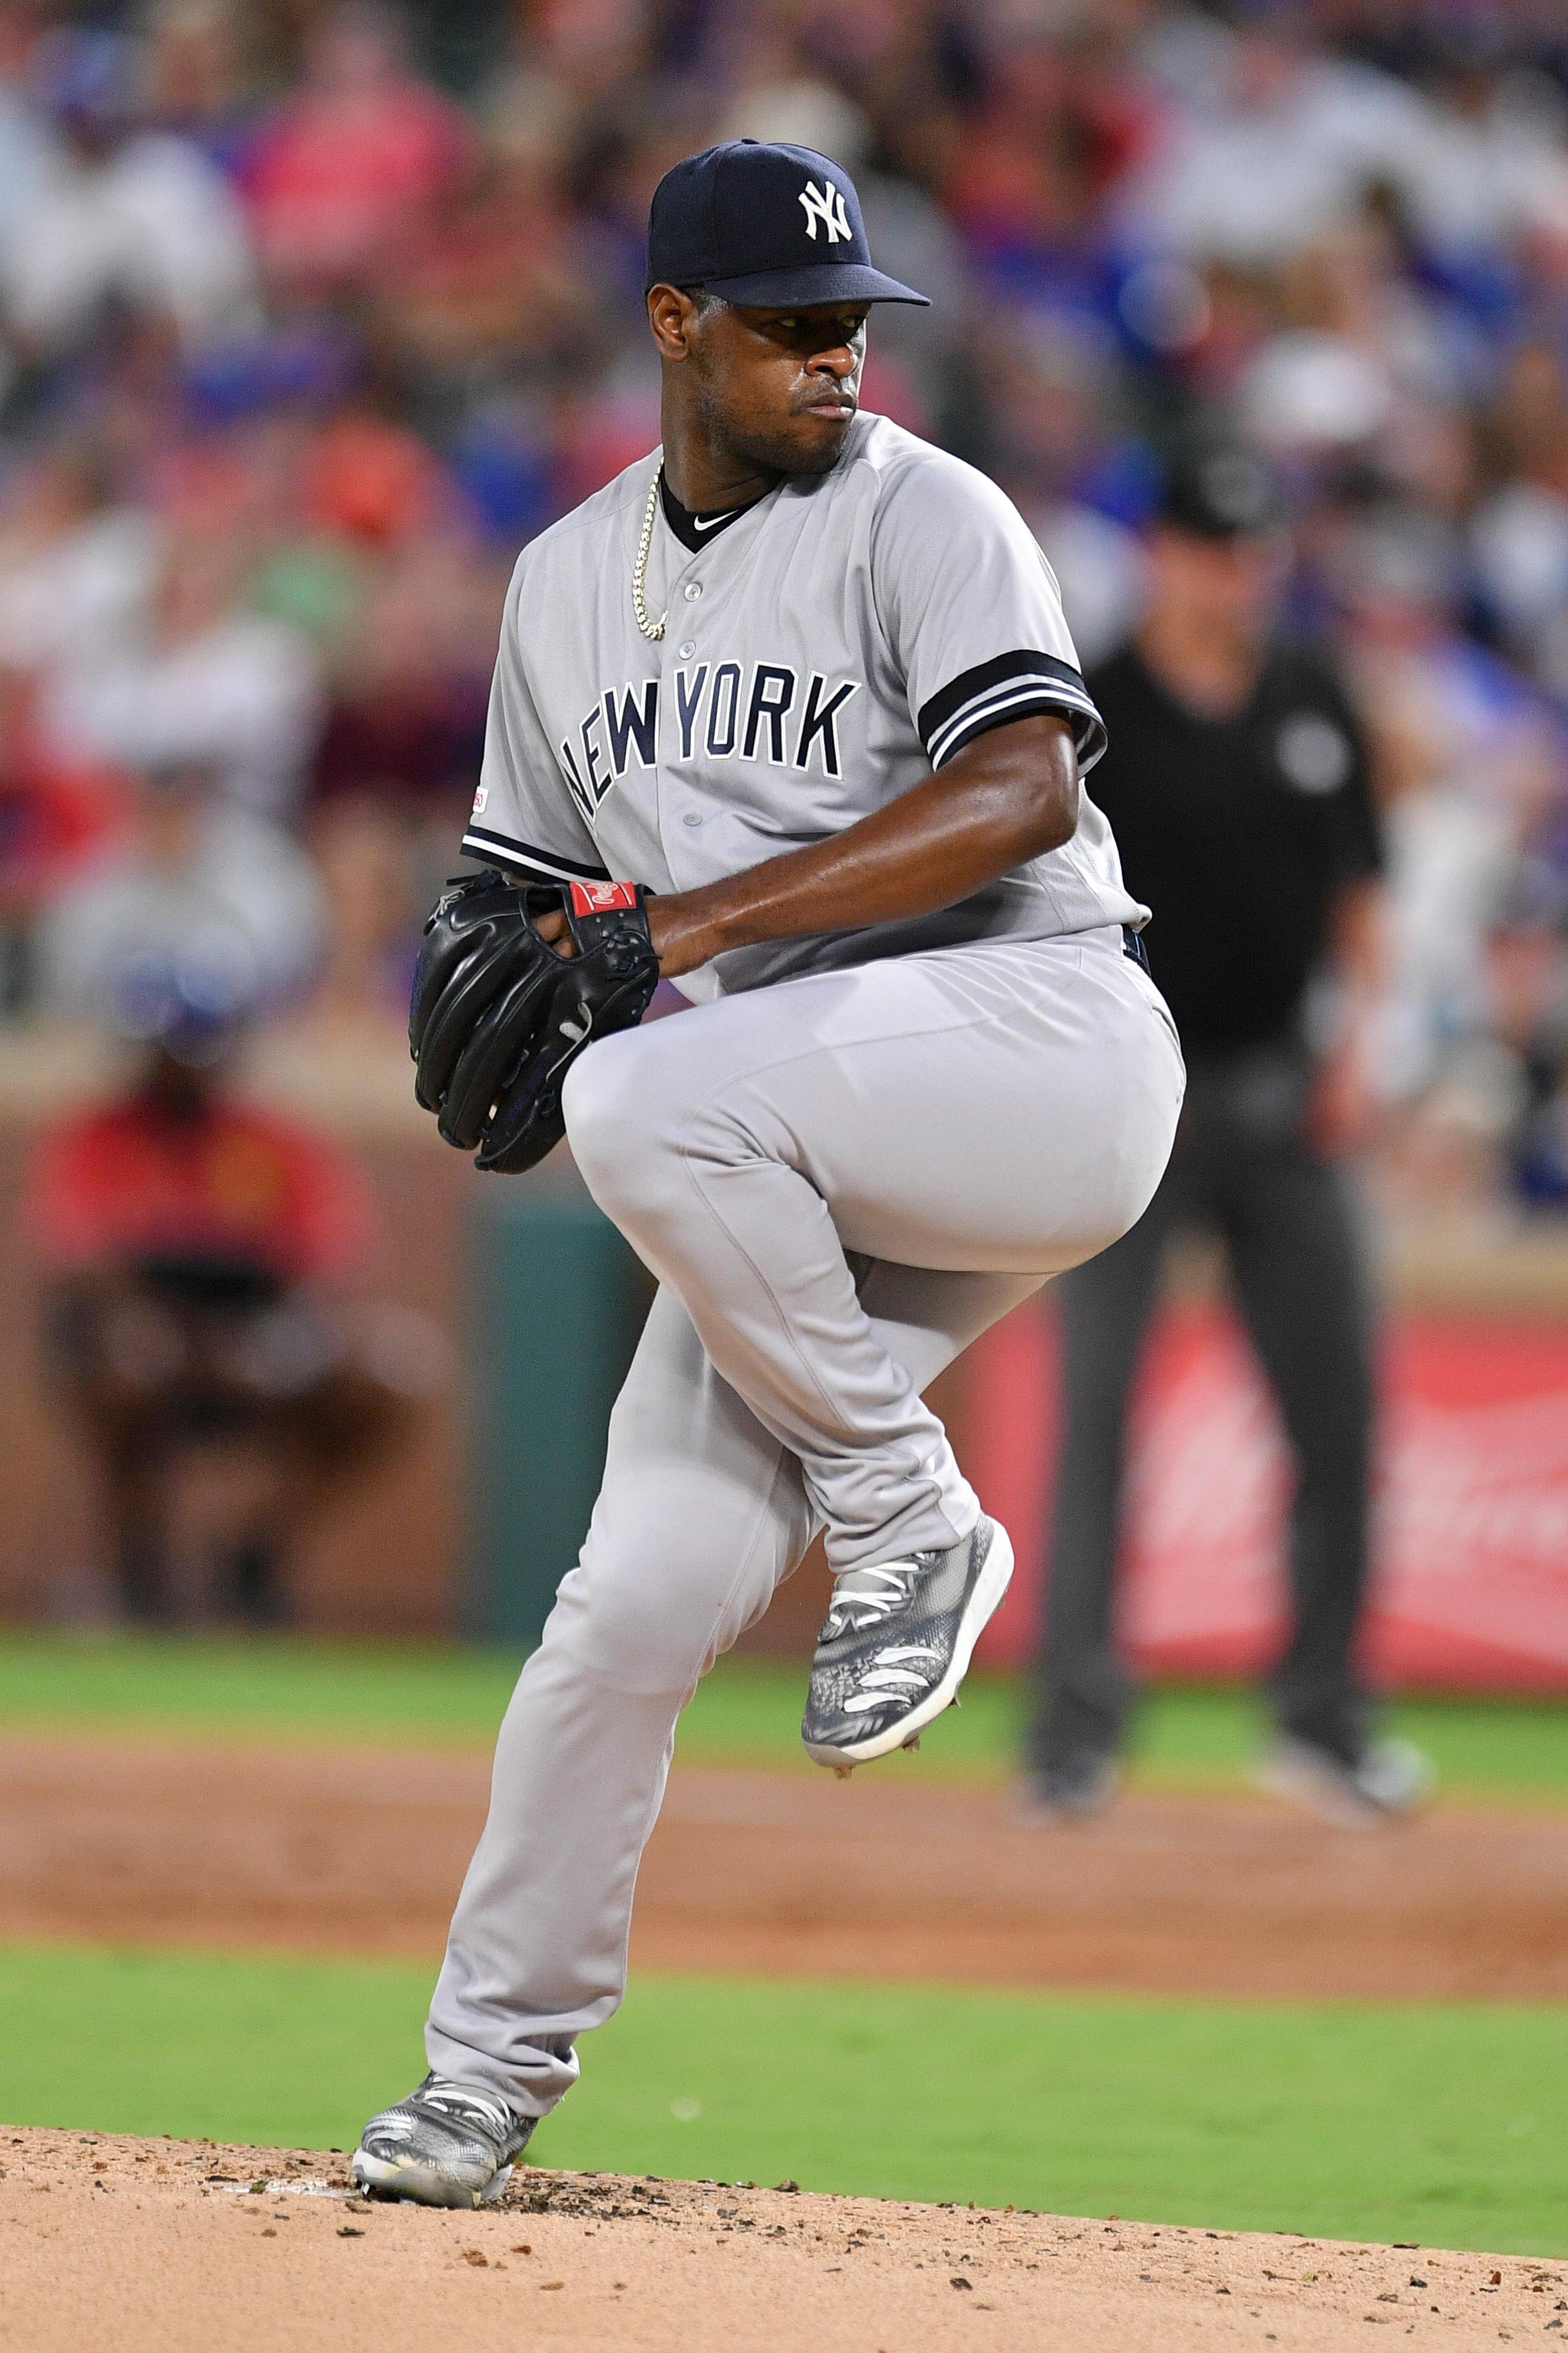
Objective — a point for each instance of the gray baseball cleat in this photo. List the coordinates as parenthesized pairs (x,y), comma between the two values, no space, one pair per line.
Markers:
(897,1644)
(445,2144)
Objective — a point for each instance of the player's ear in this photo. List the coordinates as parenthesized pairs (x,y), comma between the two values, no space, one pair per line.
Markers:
(671,314)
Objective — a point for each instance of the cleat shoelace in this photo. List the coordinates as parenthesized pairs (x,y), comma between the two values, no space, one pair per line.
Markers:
(863,1597)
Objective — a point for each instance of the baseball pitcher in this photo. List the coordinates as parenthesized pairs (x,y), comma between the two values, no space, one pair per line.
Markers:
(788,714)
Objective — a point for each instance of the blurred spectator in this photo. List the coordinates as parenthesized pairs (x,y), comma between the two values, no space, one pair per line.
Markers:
(1279,148)
(406,720)
(27,144)
(1469,767)
(208,683)
(196,1249)
(776,92)
(196,85)
(1520,532)
(369,480)
(574,60)
(380,874)
(1062,452)
(77,565)
(1237,786)
(1359,355)
(1492,172)
(203,882)
(296,351)
(354,160)
(121,214)
(60,821)
(493,297)
(398,755)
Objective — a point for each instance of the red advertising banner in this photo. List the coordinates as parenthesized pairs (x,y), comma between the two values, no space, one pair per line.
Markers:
(1471,1542)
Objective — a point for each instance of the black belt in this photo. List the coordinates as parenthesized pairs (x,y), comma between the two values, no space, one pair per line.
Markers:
(1133,946)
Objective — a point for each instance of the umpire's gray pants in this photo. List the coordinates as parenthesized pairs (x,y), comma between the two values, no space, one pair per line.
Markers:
(1242,1164)
(840,1182)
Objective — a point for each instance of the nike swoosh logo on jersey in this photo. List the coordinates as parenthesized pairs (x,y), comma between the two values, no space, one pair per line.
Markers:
(711,522)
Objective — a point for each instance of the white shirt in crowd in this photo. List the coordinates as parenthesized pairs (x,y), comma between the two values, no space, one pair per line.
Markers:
(81,596)
(154,225)
(243,906)
(242,698)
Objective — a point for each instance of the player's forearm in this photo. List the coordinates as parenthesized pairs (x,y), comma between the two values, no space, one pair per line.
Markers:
(1358,968)
(1358,944)
(1011,796)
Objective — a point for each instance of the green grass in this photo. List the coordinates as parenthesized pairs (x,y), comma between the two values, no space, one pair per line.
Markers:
(1447,2124)
(255,1686)
(746,1713)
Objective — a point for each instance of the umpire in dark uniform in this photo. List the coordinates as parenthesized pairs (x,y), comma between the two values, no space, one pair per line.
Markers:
(1236,784)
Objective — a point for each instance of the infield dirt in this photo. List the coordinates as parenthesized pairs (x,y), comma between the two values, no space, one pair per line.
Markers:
(175,2247)
(353,1852)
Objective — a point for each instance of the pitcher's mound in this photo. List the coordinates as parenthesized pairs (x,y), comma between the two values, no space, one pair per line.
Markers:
(184,2247)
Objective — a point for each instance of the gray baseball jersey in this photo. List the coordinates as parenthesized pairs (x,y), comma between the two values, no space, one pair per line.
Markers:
(827,649)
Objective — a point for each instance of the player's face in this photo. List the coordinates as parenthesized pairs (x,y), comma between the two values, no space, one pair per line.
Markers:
(779,387)
(1232,584)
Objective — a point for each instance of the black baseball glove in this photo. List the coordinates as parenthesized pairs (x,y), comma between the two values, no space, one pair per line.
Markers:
(499,1016)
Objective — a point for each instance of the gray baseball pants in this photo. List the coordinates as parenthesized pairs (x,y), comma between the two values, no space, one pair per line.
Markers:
(840,1182)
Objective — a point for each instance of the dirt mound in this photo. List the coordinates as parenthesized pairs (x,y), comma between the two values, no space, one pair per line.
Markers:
(175,2247)
(881,1877)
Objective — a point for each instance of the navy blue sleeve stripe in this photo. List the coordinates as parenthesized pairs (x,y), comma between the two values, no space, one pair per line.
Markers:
(1021,699)
(1003,670)
(1088,730)
(481,843)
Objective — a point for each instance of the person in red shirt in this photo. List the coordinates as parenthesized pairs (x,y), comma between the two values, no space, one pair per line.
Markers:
(354,161)
(193,1245)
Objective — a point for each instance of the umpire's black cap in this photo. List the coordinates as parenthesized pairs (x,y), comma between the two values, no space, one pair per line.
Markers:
(764,224)
(1216,487)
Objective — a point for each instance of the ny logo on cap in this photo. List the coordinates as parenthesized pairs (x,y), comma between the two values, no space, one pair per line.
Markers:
(826,205)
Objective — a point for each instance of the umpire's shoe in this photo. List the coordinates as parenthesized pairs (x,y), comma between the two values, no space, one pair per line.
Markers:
(897,1644)
(445,2144)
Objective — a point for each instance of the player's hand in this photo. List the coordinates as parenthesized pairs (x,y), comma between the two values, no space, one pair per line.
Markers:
(557,932)
(1344,1112)
(678,939)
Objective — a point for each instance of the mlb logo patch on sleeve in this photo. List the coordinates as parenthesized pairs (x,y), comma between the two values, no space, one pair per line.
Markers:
(602,898)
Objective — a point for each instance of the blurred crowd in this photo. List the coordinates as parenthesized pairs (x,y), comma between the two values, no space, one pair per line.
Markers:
(311,314)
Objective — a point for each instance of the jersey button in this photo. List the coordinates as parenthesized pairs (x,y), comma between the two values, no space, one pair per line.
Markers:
(688,649)
(693,590)
(691,818)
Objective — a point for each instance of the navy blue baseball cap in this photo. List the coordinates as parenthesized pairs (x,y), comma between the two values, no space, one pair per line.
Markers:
(1219,489)
(764,224)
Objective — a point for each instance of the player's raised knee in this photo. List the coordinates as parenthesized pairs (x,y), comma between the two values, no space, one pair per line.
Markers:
(614,1117)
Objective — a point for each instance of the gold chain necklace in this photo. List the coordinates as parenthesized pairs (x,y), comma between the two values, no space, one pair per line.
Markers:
(650,629)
